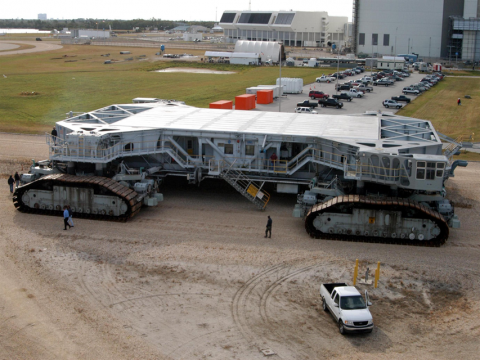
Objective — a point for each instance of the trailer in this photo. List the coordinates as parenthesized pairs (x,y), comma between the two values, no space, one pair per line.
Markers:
(291,85)
(371,177)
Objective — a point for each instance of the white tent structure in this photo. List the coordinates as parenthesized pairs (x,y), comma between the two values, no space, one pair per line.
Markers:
(268,50)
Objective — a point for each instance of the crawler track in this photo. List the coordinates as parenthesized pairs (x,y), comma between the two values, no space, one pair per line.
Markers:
(396,204)
(98,183)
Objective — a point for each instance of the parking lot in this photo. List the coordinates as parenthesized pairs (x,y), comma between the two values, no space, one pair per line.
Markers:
(370,102)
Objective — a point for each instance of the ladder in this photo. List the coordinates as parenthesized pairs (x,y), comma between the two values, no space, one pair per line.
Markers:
(247,187)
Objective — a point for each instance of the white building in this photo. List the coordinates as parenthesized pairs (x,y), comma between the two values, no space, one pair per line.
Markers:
(97,34)
(389,27)
(42,16)
(293,28)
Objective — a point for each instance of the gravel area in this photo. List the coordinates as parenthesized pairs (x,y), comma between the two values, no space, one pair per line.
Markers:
(194,278)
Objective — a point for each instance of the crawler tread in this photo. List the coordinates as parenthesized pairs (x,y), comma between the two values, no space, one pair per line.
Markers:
(114,188)
(387,203)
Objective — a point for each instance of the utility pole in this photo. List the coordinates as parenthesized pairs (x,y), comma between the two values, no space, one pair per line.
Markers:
(395,55)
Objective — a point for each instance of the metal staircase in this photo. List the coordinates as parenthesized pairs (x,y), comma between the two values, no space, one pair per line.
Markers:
(247,187)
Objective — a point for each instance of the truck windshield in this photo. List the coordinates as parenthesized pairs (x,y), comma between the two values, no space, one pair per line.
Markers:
(352,303)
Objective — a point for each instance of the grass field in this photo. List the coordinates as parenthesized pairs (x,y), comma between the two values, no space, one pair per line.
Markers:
(76,79)
(439,105)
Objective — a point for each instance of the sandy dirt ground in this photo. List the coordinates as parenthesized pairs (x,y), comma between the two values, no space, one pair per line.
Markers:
(194,278)
(39,46)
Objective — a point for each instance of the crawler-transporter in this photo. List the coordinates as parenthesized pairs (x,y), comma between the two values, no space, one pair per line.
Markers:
(370,177)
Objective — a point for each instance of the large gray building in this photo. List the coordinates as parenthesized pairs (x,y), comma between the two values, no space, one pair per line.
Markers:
(293,28)
(423,27)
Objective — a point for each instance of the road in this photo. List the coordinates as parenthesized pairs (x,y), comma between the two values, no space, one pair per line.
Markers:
(39,46)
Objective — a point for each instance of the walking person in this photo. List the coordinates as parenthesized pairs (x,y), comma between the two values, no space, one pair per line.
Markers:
(10,183)
(65,218)
(17,179)
(459,102)
(70,214)
(268,230)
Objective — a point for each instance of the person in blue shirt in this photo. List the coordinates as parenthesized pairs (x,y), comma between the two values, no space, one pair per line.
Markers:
(66,215)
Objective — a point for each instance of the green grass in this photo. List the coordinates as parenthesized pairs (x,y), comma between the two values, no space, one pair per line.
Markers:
(88,84)
(439,105)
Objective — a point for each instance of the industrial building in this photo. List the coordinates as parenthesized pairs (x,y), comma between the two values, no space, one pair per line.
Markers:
(445,29)
(84,33)
(293,28)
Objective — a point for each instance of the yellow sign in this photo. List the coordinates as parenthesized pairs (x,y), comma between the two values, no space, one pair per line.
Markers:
(252,190)
(371,220)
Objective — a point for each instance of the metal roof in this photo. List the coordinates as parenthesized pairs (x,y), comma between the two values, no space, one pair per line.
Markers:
(382,132)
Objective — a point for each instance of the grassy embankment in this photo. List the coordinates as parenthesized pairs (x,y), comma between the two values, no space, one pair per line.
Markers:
(439,105)
(75,78)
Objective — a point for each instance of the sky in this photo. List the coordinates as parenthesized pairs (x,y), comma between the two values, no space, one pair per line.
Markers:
(188,10)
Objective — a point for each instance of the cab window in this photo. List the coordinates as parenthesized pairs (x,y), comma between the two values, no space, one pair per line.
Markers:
(431,170)
(440,167)
(336,299)
(421,170)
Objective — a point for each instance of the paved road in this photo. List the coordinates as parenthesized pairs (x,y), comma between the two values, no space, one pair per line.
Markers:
(370,102)
(39,46)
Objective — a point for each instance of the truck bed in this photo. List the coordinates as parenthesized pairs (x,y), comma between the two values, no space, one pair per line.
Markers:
(330,287)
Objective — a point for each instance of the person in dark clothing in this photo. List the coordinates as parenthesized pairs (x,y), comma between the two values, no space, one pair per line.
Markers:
(17,179)
(10,183)
(65,218)
(268,230)
(54,136)
(459,102)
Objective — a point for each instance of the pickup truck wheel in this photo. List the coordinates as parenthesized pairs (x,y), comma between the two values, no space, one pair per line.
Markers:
(349,99)
(341,327)
(386,85)
(324,305)
(313,97)
(338,107)
(398,107)
(387,106)
(368,90)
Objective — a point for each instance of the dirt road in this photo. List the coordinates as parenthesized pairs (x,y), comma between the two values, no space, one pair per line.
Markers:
(194,278)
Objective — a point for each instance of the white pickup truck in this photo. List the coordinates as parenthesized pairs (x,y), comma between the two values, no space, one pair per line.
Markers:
(324,78)
(347,307)
(355,93)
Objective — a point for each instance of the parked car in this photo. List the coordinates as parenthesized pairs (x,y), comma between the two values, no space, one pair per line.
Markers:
(305,110)
(317,95)
(326,79)
(368,78)
(330,102)
(401,98)
(364,88)
(340,87)
(360,68)
(308,103)
(391,104)
(342,96)
(410,90)
(355,93)
(347,307)
(384,82)
(340,76)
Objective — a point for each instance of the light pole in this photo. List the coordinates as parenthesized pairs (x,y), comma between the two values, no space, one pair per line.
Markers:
(395,54)
(280,81)
(338,66)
